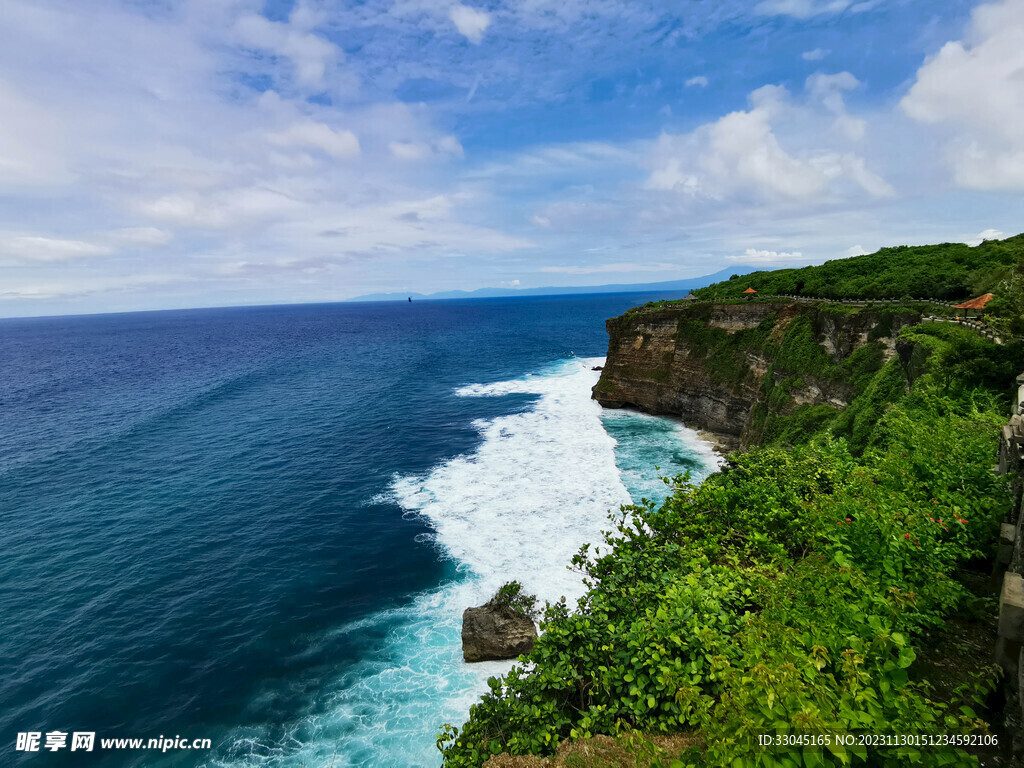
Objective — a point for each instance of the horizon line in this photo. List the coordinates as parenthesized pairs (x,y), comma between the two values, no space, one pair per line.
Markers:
(350,301)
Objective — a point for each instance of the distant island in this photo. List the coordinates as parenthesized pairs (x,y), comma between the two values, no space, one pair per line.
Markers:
(689,284)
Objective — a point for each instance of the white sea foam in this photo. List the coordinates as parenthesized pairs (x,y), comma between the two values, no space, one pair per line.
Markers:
(539,485)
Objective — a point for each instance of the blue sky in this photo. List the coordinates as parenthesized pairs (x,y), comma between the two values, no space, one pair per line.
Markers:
(217,152)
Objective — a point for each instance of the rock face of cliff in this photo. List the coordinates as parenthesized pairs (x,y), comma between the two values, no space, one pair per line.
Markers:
(727,367)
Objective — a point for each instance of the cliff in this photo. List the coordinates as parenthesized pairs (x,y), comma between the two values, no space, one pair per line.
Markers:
(739,603)
(746,371)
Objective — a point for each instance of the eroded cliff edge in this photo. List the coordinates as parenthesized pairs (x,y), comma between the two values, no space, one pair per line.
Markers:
(746,371)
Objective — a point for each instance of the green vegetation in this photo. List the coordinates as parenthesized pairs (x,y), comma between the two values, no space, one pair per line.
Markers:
(958,358)
(795,349)
(512,597)
(792,592)
(950,271)
(797,361)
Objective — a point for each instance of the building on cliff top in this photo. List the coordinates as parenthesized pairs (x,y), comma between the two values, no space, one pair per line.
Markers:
(978,303)
(749,293)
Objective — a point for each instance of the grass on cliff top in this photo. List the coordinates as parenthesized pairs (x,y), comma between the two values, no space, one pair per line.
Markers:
(955,356)
(793,351)
(862,378)
(949,271)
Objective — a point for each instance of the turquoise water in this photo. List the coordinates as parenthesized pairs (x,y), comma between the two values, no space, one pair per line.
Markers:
(261,526)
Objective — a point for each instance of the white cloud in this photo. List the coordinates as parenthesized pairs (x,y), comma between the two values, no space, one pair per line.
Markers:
(470,22)
(188,140)
(854,250)
(743,145)
(756,257)
(828,90)
(404,150)
(563,16)
(446,146)
(801,9)
(138,236)
(699,81)
(740,154)
(308,133)
(849,166)
(34,248)
(620,267)
(309,54)
(222,209)
(160,140)
(580,210)
(548,159)
(988,234)
(865,5)
(33,146)
(85,286)
(975,87)
(815,55)
(400,230)
(853,128)
(977,166)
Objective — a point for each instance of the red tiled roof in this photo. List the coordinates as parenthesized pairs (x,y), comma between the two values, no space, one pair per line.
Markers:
(750,290)
(978,303)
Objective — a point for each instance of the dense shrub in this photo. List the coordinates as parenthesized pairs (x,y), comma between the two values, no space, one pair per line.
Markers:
(790,592)
(785,595)
(511,597)
(949,271)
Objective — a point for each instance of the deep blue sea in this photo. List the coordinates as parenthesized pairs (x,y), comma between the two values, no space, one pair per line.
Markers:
(261,525)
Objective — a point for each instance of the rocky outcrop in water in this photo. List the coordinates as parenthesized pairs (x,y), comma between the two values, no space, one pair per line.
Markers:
(491,632)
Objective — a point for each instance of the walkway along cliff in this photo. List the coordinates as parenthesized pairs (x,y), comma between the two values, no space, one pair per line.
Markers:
(1010,570)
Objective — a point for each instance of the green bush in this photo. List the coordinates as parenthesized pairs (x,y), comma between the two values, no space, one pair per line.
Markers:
(791,591)
(786,594)
(512,597)
(948,271)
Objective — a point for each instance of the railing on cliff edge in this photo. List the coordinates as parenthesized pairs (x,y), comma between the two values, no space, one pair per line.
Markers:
(1009,651)
(974,325)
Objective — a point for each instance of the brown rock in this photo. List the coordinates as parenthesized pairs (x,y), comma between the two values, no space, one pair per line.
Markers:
(492,632)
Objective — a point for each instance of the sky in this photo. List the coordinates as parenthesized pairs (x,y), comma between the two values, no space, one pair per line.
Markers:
(161,153)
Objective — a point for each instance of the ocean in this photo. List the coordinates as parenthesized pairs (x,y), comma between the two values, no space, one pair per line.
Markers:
(261,525)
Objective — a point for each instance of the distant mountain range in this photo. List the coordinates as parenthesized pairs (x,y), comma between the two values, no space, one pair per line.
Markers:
(490,293)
